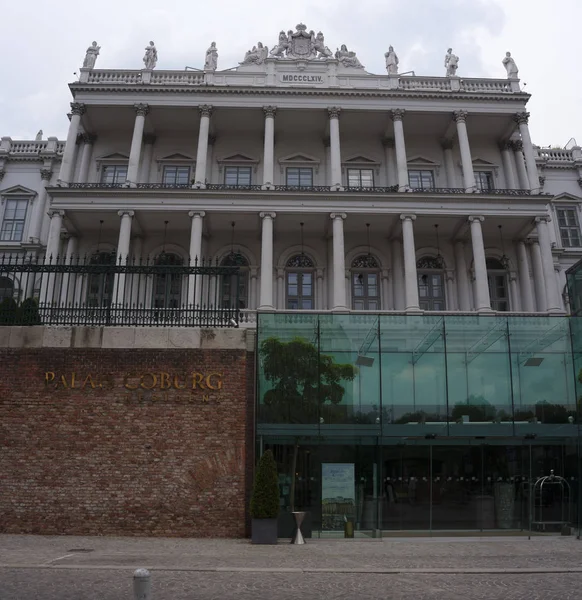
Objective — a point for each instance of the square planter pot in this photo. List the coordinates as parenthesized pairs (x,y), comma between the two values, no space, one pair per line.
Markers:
(264,531)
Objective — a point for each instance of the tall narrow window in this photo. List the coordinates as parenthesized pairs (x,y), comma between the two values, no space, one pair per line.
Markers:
(484,180)
(300,176)
(299,283)
(497,280)
(361,178)
(431,289)
(569,227)
(174,175)
(229,283)
(365,283)
(114,174)
(100,282)
(421,179)
(167,292)
(14,218)
(237,176)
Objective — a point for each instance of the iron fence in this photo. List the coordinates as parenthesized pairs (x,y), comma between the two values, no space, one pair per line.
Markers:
(105,289)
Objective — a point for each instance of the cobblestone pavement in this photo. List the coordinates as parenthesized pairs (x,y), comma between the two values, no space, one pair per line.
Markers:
(64,584)
(101,568)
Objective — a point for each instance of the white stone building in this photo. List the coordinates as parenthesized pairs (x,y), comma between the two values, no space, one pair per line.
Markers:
(336,189)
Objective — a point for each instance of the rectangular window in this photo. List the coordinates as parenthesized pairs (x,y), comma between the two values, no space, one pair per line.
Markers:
(114,174)
(361,178)
(237,176)
(484,180)
(176,175)
(300,177)
(14,217)
(569,227)
(421,179)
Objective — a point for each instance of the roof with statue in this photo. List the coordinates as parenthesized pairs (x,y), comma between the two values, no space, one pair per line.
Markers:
(298,59)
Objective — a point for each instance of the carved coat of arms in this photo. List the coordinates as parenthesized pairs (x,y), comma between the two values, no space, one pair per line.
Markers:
(301,45)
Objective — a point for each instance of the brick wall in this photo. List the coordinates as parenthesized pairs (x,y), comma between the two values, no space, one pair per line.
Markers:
(141,442)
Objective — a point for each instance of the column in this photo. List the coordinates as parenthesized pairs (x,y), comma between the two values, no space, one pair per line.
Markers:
(195,282)
(538,277)
(410,276)
(69,279)
(88,141)
(339,266)
(450,283)
(513,293)
(253,274)
(122,255)
(335,148)
(462,277)
(202,152)
(510,182)
(68,161)
(136,290)
(266,295)
(400,147)
(319,289)
(38,209)
(482,299)
(398,270)
(280,299)
(387,300)
(269,147)
(527,303)
(528,150)
(449,163)
(460,117)
(552,295)
(52,254)
(522,175)
(141,110)
(390,160)
(148,153)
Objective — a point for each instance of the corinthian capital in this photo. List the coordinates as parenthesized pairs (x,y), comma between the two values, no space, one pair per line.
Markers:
(460,116)
(77,108)
(205,110)
(334,112)
(521,118)
(397,114)
(141,110)
(269,111)
(517,145)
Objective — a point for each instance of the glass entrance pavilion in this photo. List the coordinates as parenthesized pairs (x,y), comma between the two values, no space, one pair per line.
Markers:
(428,423)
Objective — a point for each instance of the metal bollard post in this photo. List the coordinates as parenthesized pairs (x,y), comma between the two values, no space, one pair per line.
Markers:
(142,585)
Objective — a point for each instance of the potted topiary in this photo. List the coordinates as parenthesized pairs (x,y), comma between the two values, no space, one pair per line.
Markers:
(265,501)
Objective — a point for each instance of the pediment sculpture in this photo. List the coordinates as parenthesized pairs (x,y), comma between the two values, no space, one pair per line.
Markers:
(301,45)
(256,56)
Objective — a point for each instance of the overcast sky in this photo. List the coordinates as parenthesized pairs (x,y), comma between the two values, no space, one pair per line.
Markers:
(42,45)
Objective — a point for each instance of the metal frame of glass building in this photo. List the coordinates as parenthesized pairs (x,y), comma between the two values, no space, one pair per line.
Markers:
(448,423)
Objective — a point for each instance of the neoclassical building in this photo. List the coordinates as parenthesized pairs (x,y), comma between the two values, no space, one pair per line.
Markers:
(396,220)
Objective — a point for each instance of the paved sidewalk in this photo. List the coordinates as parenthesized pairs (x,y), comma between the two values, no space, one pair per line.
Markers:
(75,568)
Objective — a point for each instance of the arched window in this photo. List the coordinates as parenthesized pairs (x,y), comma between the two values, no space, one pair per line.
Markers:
(228,283)
(167,290)
(299,283)
(6,288)
(100,282)
(431,280)
(365,274)
(497,280)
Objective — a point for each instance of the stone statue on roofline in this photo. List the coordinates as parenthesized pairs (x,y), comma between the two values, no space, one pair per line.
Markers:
(391,61)
(256,56)
(91,56)
(151,56)
(301,45)
(510,66)
(347,58)
(451,63)
(211,59)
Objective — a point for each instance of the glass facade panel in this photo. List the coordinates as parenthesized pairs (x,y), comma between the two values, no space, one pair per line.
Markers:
(436,422)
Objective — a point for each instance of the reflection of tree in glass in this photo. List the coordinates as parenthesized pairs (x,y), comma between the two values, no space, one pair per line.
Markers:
(475,407)
(303,379)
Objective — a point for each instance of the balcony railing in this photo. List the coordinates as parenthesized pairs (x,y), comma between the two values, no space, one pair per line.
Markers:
(317,189)
(103,289)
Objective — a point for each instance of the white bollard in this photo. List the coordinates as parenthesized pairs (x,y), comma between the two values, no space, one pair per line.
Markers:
(142,585)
